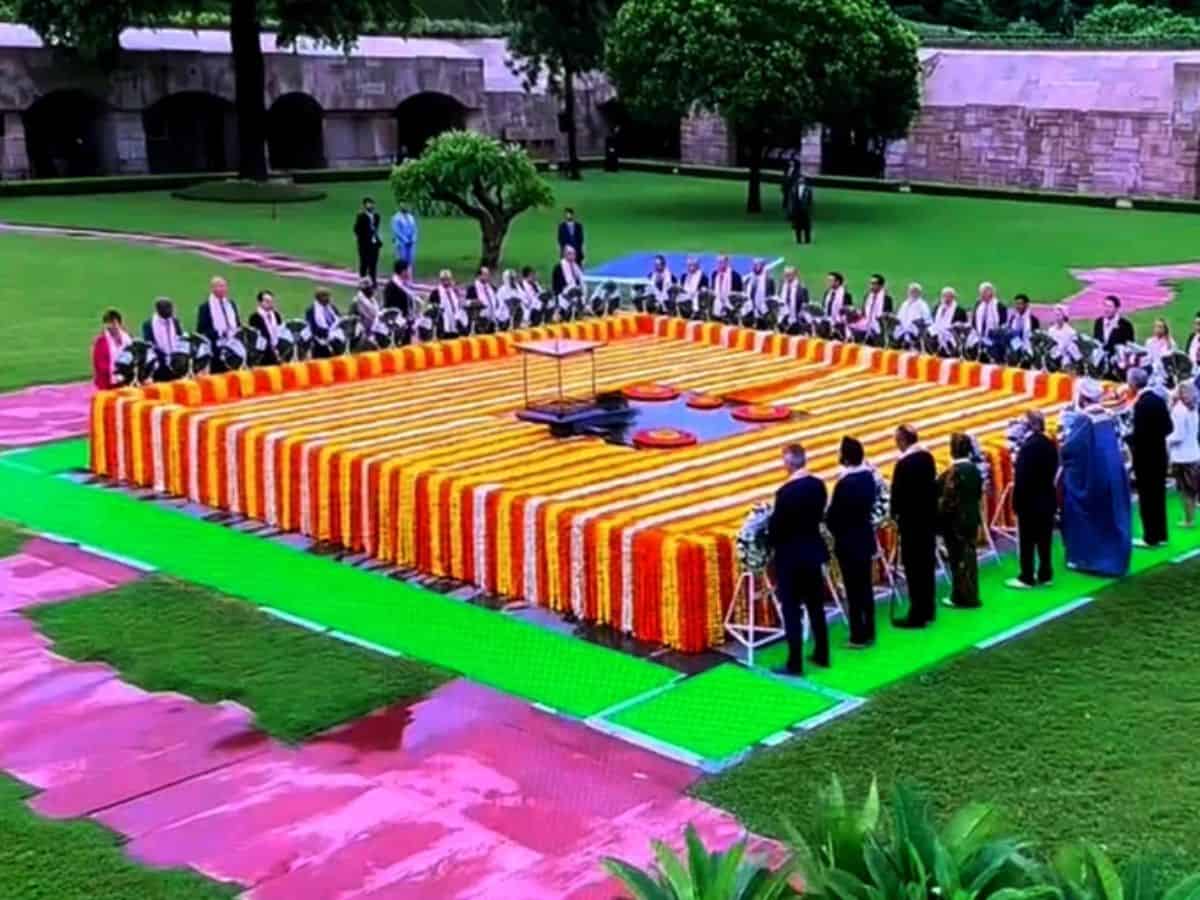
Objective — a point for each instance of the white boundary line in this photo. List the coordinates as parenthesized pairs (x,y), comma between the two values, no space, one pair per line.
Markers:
(1033,623)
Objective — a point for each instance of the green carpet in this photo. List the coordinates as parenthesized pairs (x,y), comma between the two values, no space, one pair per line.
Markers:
(900,653)
(514,656)
(723,711)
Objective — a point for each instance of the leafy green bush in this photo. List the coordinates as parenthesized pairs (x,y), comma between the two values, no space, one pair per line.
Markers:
(1131,20)
(235,191)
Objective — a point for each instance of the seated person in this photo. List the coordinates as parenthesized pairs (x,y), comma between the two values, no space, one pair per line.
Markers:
(947,314)
(1160,343)
(452,318)
(1065,350)
(217,319)
(988,316)
(876,302)
(322,317)
(793,297)
(163,332)
(482,291)
(759,286)
(113,338)
(912,313)
(567,274)
(725,281)
(365,305)
(694,279)
(659,281)
(399,292)
(267,321)
(837,300)
(531,296)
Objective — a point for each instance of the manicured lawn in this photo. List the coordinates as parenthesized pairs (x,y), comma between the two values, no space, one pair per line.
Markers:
(1086,728)
(42,859)
(164,635)
(11,538)
(53,290)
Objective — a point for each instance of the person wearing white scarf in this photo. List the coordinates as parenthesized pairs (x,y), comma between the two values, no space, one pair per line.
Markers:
(660,280)
(1023,322)
(947,314)
(113,338)
(322,317)
(912,312)
(694,279)
(531,296)
(567,274)
(509,292)
(453,316)
(725,281)
(793,296)
(1160,344)
(267,321)
(482,291)
(876,302)
(837,299)
(1060,331)
(989,312)
(164,333)
(759,286)
(1193,343)
(218,319)
(365,306)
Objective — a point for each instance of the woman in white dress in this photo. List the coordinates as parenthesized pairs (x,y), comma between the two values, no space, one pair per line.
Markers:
(1063,334)
(1160,343)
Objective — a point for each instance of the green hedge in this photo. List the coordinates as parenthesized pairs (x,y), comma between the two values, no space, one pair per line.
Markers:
(235,191)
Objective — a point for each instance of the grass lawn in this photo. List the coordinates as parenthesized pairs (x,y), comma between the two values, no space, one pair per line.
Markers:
(1086,728)
(42,859)
(11,539)
(54,290)
(164,635)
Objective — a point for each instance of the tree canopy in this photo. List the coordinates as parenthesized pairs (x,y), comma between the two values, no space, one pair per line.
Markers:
(92,30)
(559,39)
(491,182)
(771,69)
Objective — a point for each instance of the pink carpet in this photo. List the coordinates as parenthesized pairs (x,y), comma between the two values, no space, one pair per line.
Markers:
(466,793)
(1140,288)
(50,412)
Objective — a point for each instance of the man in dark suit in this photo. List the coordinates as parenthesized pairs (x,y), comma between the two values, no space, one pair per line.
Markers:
(794,535)
(914,508)
(850,522)
(218,318)
(837,300)
(1112,329)
(570,234)
(322,317)
(1021,320)
(164,334)
(800,207)
(399,292)
(759,286)
(1148,444)
(366,237)
(1035,501)
(268,322)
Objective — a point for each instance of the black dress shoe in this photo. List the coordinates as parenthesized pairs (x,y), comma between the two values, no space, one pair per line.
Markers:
(910,623)
(823,663)
(788,672)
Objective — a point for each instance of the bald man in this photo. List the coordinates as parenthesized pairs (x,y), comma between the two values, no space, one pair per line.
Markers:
(218,317)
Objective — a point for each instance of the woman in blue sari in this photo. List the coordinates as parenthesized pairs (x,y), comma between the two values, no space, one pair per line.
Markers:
(1097,507)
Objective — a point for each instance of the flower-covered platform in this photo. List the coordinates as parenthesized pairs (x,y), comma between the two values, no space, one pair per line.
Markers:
(416,456)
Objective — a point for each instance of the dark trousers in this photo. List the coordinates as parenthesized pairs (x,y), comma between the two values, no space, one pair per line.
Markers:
(918,556)
(368,262)
(1035,537)
(860,596)
(801,592)
(1152,502)
(803,228)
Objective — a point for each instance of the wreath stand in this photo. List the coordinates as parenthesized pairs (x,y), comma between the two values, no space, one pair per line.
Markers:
(748,632)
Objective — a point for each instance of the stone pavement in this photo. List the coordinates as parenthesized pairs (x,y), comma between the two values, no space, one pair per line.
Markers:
(466,793)
(49,412)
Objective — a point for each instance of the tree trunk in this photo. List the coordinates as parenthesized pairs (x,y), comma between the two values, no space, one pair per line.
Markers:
(754,186)
(492,234)
(572,133)
(249,87)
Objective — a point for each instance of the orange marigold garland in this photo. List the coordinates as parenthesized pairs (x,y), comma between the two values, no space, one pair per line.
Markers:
(663,438)
(761,413)
(704,401)
(650,392)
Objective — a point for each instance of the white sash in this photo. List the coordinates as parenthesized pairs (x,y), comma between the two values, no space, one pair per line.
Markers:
(912,311)
(530,295)
(791,289)
(326,317)
(452,314)
(872,309)
(835,300)
(758,292)
(660,284)
(572,274)
(268,316)
(164,334)
(223,319)
(691,283)
(1194,349)
(115,346)
(987,317)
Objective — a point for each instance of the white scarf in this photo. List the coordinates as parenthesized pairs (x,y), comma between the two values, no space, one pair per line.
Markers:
(723,284)
(1194,349)
(1107,326)
(451,312)
(1022,323)
(944,317)
(485,295)
(835,301)
(758,292)
(115,346)
(572,274)
(791,292)
(660,284)
(912,311)
(1159,347)
(224,319)
(872,308)
(325,316)
(987,317)
(530,294)
(691,282)
(268,317)
(164,334)
(368,308)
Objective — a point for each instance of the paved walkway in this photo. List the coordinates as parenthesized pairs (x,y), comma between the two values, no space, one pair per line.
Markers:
(464,794)
(1139,287)
(46,413)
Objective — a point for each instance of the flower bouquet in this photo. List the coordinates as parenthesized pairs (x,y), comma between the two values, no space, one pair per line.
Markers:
(753,551)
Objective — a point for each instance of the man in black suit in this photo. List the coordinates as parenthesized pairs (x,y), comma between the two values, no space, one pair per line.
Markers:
(850,522)
(570,234)
(794,535)
(399,292)
(164,334)
(366,236)
(1021,320)
(1112,329)
(1148,444)
(759,286)
(218,319)
(800,207)
(268,322)
(837,300)
(1035,501)
(914,508)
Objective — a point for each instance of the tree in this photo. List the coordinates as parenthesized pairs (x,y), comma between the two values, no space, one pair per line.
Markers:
(491,182)
(560,39)
(92,30)
(771,69)
(1130,20)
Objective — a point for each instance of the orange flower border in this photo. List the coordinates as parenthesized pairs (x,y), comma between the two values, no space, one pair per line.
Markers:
(681,583)
(664,438)
(762,413)
(650,392)
(704,401)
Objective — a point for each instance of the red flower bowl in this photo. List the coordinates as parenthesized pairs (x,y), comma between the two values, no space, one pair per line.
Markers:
(650,392)
(761,413)
(663,438)
(704,401)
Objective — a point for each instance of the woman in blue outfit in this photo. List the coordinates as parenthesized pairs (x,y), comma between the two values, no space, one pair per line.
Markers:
(1096,524)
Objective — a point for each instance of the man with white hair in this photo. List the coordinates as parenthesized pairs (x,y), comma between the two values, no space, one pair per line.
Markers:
(947,314)
(567,274)
(989,314)
(725,281)
(759,286)
(452,318)
(217,318)
(694,279)
(793,296)
(913,311)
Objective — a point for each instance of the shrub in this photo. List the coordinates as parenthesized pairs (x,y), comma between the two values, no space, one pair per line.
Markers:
(234,191)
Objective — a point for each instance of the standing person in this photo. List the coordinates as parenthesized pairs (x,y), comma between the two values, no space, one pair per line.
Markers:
(1035,501)
(1095,486)
(404,236)
(570,234)
(849,520)
(1184,444)
(800,209)
(1148,443)
(960,497)
(914,509)
(366,237)
(267,321)
(1193,343)
(113,338)
(794,535)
